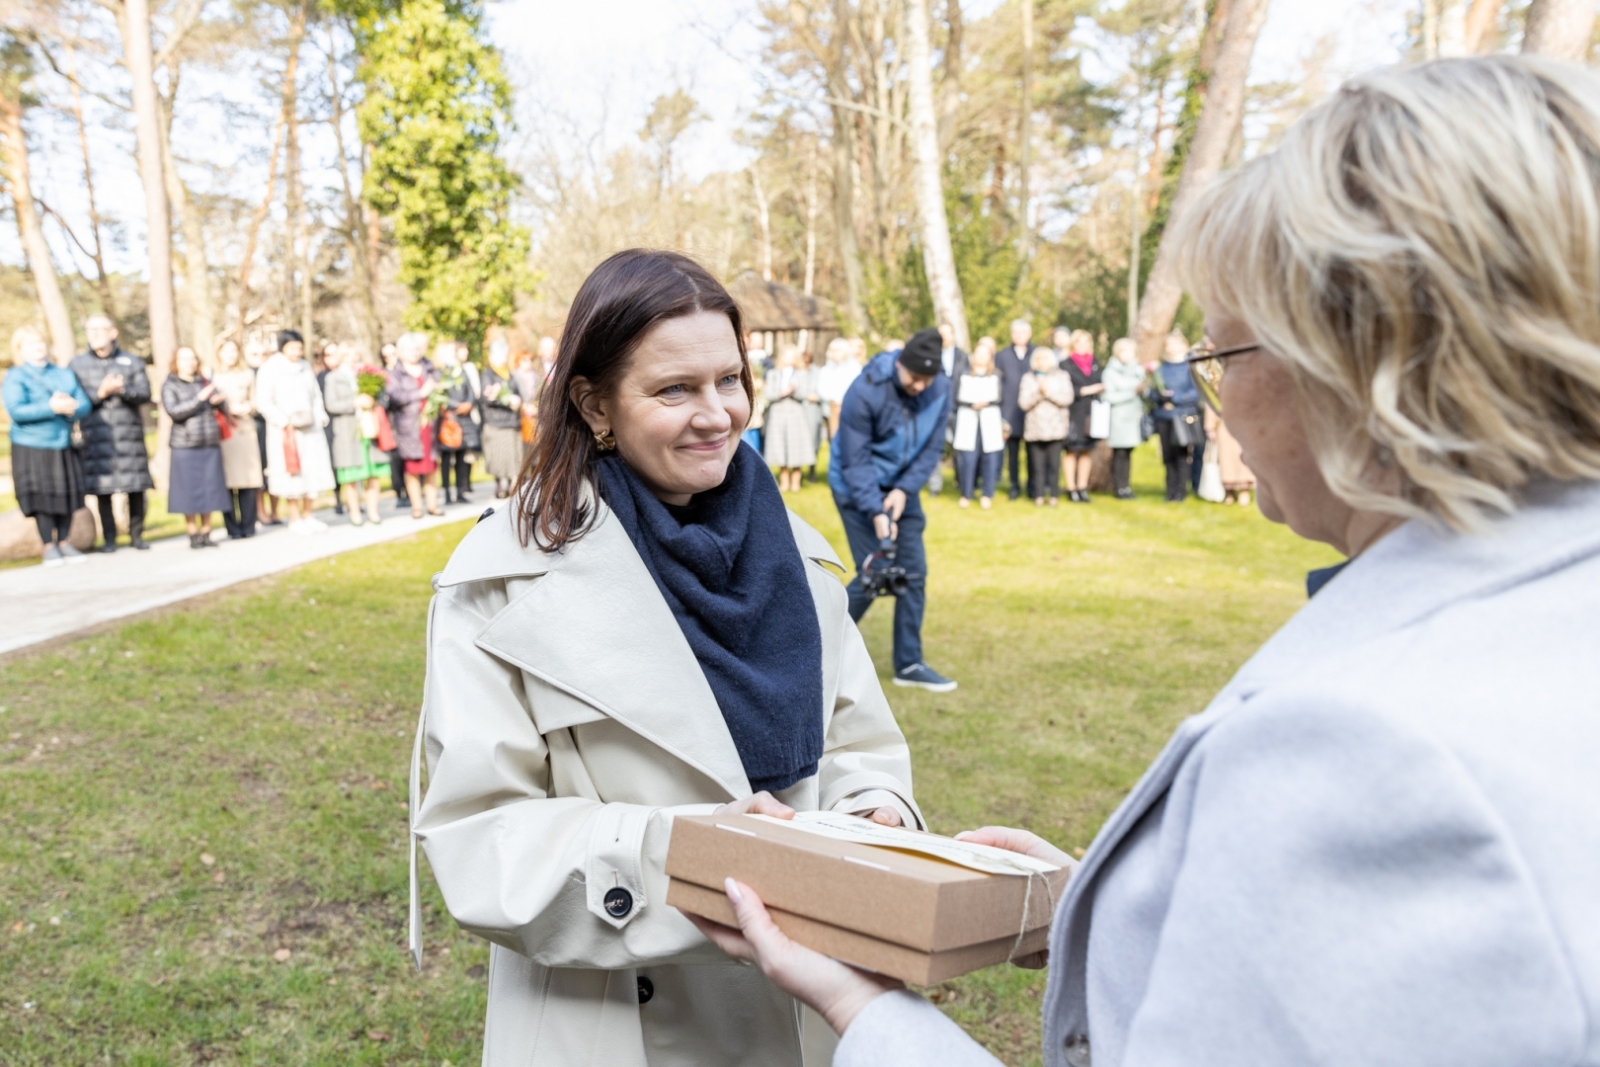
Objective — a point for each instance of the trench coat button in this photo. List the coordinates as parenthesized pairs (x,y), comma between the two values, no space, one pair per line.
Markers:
(618,902)
(647,989)
(1077,1051)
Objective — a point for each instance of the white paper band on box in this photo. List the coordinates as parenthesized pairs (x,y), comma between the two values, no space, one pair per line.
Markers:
(973,856)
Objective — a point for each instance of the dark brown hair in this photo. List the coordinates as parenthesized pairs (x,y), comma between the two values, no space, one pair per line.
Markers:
(617,305)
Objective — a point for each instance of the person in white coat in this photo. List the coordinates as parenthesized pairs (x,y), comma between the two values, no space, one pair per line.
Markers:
(290,402)
(643,631)
(1380,844)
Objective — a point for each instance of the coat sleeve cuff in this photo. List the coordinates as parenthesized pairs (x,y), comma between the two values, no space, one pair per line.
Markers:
(901,1029)
(867,801)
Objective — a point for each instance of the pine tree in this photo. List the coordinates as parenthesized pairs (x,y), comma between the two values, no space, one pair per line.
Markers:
(435,103)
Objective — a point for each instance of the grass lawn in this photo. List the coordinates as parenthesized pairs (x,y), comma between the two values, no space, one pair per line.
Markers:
(202,831)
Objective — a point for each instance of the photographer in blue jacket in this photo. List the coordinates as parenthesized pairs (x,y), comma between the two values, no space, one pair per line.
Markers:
(891,434)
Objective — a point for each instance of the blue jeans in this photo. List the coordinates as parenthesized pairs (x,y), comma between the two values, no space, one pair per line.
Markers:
(975,468)
(910,555)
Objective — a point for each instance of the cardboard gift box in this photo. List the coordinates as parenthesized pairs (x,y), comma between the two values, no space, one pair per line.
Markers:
(915,906)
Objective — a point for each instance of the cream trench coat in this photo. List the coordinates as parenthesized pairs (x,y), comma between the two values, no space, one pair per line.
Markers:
(565,722)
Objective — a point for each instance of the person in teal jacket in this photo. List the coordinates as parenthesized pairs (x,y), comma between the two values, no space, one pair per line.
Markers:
(42,401)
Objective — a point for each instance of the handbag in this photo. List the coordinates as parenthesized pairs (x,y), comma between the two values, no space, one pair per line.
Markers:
(224,424)
(291,452)
(527,426)
(1099,420)
(386,441)
(1211,477)
(1186,431)
(1147,427)
(449,432)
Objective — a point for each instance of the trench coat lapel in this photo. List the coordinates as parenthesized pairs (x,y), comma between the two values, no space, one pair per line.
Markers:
(597,627)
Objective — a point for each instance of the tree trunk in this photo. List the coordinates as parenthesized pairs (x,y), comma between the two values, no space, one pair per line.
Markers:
(196,269)
(1452,28)
(811,219)
(294,204)
(763,224)
(45,284)
(937,256)
(254,233)
(1219,117)
(1025,157)
(1559,28)
(102,281)
(950,82)
(1480,19)
(355,211)
(844,187)
(135,27)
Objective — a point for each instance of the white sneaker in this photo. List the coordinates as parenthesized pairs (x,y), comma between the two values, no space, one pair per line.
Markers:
(52,556)
(72,555)
(316,525)
(300,526)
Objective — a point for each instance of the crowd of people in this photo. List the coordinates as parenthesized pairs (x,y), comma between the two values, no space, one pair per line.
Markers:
(1034,412)
(260,432)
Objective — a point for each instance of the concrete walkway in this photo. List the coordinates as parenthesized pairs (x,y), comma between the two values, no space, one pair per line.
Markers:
(39,603)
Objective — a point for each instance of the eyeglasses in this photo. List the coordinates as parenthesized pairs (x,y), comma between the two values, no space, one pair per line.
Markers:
(1206,367)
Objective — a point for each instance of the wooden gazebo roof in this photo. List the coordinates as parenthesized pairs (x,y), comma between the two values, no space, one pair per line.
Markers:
(778,307)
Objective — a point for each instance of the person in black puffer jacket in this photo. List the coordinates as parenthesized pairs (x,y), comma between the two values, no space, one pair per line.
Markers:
(198,487)
(114,456)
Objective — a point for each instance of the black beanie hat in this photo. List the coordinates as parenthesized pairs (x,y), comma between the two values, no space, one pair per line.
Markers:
(923,354)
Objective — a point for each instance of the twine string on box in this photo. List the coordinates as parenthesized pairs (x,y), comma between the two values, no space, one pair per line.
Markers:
(1027,902)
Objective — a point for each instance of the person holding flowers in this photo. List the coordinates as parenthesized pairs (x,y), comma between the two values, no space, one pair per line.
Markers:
(413,400)
(356,462)
(501,404)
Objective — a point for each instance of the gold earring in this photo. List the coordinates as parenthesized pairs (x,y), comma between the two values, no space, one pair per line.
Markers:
(604,440)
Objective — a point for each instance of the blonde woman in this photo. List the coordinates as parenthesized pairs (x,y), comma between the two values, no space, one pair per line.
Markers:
(1381,842)
(788,444)
(42,400)
(1124,380)
(980,433)
(241,452)
(1045,398)
(834,377)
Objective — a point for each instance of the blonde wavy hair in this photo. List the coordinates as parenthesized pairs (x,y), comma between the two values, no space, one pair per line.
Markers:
(1423,252)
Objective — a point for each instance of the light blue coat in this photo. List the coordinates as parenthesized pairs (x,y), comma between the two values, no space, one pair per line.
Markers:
(1123,381)
(27,392)
(1380,844)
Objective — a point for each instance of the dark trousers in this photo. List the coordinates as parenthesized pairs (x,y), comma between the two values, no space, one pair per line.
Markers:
(910,555)
(397,477)
(1044,469)
(1014,463)
(240,518)
(461,460)
(975,466)
(108,518)
(1121,468)
(53,529)
(1179,459)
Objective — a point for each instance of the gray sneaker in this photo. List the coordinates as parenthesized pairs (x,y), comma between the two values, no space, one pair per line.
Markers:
(72,555)
(922,676)
(52,556)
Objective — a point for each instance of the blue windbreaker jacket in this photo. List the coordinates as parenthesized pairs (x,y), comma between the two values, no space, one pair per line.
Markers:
(886,440)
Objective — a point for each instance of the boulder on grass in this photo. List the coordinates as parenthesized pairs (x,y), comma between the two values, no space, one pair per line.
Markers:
(19,535)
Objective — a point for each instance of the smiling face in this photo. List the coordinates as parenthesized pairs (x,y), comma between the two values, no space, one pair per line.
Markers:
(679,407)
(228,355)
(187,363)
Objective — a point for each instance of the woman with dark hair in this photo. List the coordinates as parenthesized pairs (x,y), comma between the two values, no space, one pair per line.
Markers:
(645,631)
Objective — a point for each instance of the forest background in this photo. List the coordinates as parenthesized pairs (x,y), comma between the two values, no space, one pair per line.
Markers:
(352,167)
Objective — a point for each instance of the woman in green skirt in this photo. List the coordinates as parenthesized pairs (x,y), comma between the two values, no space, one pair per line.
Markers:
(358,463)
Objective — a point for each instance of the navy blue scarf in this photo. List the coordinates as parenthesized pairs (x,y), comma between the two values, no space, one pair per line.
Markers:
(729,568)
